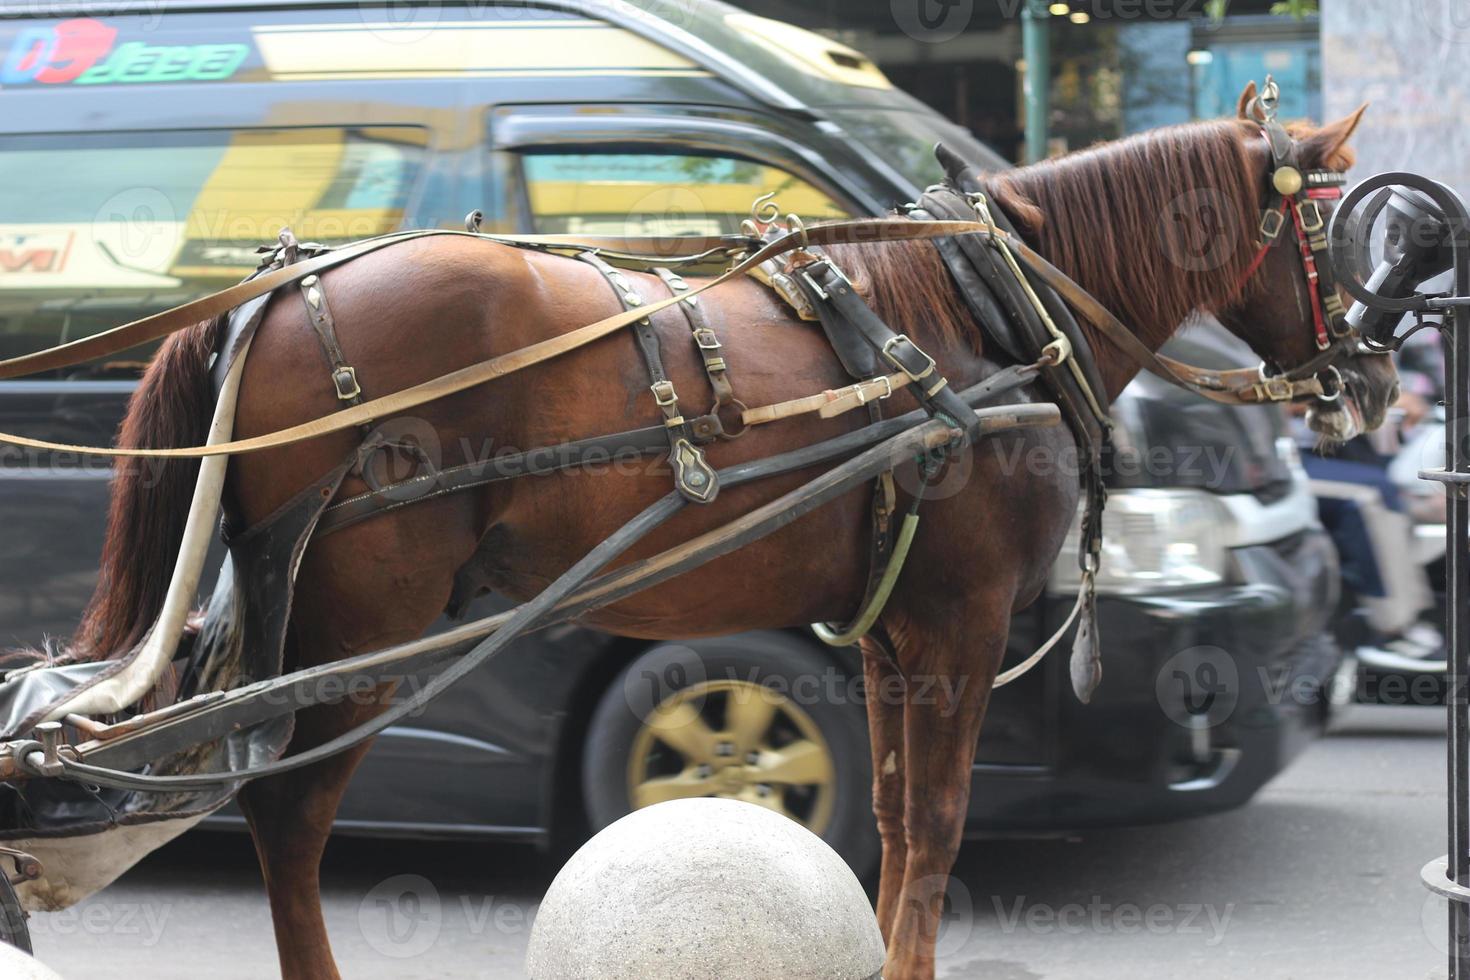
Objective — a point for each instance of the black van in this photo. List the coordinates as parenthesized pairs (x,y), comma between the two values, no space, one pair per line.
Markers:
(146,151)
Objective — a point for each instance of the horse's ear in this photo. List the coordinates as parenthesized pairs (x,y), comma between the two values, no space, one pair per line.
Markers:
(1329,144)
(1242,108)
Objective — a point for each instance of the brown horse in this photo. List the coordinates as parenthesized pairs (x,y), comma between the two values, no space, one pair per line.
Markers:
(1109,217)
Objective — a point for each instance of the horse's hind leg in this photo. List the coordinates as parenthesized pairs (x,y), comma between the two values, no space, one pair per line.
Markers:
(374,585)
(885,696)
(290,817)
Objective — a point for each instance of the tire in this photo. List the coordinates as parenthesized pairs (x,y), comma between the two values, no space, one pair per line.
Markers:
(810,762)
(13,928)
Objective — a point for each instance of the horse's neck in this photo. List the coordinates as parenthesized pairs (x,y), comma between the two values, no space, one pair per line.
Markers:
(1116,366)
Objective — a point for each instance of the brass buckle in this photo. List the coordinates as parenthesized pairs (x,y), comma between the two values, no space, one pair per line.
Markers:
(1276,389)
(706,339)
(1271,223)
(1314,223)
(929,362)
(663,394)
(344,379)
(860,391)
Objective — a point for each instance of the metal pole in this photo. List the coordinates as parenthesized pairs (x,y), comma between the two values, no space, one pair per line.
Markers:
(1427,221)
(1036,50)
(1457,635)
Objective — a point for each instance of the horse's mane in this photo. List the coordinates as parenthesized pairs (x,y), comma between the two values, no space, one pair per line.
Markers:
(1156,226)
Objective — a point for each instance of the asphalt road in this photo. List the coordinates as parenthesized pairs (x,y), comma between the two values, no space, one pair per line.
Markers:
(1318,878)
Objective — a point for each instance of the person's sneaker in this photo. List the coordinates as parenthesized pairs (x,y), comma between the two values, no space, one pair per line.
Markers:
(1407,653)
(1425,635)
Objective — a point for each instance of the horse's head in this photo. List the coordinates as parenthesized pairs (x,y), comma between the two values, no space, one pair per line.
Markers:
(1288,308)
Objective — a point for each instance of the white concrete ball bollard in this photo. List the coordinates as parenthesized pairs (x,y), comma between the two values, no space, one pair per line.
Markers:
(15,965)
(705,889)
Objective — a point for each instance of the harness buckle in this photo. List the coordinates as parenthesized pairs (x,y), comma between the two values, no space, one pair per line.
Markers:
(344,379)
(914,374)
(706,340)
(1271,224)
(663,394)
(1276,389)
(1314,223)
(822,293)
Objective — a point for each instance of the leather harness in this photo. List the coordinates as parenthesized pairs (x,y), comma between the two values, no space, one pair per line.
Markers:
(1023,301)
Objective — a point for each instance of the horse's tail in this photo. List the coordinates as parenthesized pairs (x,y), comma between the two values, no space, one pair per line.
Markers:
(173,406)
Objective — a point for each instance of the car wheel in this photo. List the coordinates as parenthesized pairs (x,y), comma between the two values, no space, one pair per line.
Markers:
(765,718)
(13,928)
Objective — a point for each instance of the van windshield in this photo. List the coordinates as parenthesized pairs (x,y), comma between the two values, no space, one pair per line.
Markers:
(100,228)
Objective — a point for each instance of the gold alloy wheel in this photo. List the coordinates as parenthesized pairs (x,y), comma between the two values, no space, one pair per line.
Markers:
(737,740)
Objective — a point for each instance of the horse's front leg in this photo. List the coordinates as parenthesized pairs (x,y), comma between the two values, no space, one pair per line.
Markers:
(949,674)
(885,698)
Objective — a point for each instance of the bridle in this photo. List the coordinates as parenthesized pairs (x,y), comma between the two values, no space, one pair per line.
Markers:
(1293,200)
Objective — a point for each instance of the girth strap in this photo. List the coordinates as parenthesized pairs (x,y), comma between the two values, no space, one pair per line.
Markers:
(694,478)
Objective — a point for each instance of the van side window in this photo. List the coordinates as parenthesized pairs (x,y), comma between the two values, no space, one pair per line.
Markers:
(659,194)
(100,228)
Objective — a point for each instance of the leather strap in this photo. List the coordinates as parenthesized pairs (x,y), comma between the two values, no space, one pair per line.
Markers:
(1242,386)
(711,354)
(319,313)
(830,403)
(694,478)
